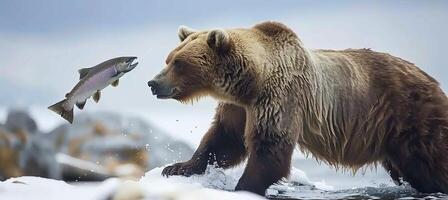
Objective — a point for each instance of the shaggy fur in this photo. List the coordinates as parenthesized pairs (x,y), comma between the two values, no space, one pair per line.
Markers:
(348,108)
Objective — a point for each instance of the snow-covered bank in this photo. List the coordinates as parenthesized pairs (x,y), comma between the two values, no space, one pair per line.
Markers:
(161,189)
(215,178)
(214,184)
(28,187)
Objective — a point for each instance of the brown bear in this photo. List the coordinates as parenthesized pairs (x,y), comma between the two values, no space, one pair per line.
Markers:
(348,108)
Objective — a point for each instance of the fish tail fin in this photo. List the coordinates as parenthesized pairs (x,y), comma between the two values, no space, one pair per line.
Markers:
(59,109)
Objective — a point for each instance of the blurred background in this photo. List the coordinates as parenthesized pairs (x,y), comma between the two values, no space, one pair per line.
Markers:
(44,43)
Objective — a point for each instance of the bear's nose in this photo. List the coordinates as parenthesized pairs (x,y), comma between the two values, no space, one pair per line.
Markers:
(153,85)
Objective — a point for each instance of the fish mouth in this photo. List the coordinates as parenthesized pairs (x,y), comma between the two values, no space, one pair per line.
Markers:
(131,64)
(131,59)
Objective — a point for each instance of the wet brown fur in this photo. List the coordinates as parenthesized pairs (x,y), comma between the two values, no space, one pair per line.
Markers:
(348,108)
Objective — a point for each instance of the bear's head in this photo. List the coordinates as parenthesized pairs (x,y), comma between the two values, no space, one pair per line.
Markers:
(225,64)
(214,62)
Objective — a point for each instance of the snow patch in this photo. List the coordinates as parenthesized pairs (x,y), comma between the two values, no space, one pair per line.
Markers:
(215,183)
(28,187)
(213,178)
(216,179)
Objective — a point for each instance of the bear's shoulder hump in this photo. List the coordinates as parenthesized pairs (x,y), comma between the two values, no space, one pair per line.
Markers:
(272,28)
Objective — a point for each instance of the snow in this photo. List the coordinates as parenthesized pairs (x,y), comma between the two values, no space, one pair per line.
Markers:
(153,185)
(28,187)
(216,180)
(213,184)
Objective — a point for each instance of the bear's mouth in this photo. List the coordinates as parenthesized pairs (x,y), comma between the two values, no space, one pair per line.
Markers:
(173,93)
(163,96)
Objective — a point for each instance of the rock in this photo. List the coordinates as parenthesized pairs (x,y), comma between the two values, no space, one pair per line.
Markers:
(38,158)
(22,154)
(9,160)
(20,119)
(99,145)
(125,146)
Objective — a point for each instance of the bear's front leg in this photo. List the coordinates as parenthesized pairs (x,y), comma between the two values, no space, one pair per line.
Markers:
(270,147)
(266,166)
(223,144)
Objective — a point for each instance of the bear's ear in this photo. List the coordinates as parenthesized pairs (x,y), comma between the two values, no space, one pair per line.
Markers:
(184,32)
(218,39)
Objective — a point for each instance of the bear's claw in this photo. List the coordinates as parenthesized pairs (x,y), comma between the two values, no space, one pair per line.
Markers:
(183,169)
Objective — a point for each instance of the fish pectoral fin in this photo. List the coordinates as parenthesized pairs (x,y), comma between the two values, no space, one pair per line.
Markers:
(96,96)
(83,72)
(80,105)
(115,83)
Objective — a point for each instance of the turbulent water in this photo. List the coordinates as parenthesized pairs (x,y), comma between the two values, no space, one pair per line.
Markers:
(369,183)
(296,191)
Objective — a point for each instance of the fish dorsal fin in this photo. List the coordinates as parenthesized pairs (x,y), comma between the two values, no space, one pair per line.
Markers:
(83,72)
(97,96)
(115,83)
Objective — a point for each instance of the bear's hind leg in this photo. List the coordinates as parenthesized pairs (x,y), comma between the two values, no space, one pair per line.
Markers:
(392,170)
(423,164)
(222,145)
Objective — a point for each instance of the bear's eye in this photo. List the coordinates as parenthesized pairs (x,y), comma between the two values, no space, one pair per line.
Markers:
(179,64)
(176,64)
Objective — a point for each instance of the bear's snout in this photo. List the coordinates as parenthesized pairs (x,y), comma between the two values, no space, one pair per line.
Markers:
(153,85)
(163,91)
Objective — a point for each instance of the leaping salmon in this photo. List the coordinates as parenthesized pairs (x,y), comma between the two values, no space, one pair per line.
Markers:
(92,81)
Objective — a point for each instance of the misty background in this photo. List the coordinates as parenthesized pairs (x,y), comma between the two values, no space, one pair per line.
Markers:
(44,43)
